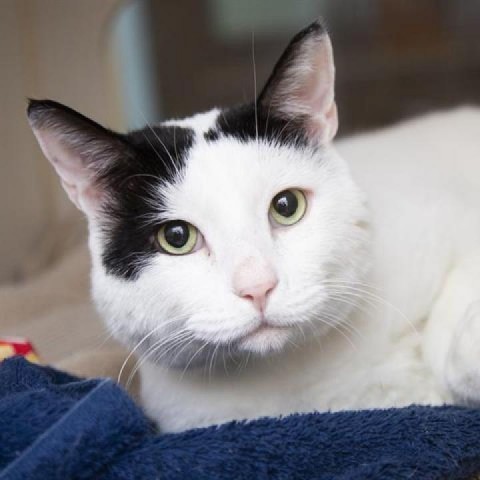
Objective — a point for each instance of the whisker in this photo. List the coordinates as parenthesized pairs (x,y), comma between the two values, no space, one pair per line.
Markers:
(156,151)
(192,358)
(353,283)
(178,339)
(143,340)
(268,115)
(335,327)
(212,361)
(385,302)
(244,362)
(187,344)
(355,304)
(225,119)
(175,168)
(224,361)
(137,346)
(145,175)
(255,86)
(175,142)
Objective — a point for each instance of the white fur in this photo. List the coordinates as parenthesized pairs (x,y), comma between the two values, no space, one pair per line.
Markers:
(424,197)
(195,292)
(376,301)
(201,122)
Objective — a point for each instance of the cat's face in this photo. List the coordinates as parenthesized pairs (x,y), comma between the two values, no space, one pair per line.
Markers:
(227,233)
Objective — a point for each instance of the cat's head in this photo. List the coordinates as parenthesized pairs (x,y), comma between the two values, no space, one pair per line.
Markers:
(230,231)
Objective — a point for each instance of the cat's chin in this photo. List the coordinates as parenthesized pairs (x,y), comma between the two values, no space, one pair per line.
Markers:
(265,339)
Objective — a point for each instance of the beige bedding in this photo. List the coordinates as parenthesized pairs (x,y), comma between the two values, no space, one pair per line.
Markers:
(54,311)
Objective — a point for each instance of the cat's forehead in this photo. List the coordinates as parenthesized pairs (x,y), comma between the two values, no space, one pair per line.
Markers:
(166,149)
(230,179)
(233,165)
(236,152)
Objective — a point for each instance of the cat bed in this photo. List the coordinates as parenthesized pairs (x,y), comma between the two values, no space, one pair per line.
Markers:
(57,426)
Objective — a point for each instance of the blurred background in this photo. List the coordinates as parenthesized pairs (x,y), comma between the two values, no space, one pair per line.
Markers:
(125,63)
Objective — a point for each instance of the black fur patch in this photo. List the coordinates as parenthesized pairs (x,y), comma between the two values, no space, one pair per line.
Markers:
(126,169)
(128,229)
(244,123)
(261,118)
(211,135)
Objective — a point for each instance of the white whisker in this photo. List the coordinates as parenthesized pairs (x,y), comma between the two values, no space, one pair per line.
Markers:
(255,86)
(173,164)
(174,340)
(192,358)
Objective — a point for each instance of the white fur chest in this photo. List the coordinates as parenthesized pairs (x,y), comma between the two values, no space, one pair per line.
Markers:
(333,375)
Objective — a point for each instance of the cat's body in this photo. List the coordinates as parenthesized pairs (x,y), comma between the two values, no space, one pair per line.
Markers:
(256,272)
(424,198)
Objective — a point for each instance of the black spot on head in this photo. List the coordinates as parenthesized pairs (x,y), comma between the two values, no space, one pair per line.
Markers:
(154,157)
(246,122)
(211,135)
(271,117)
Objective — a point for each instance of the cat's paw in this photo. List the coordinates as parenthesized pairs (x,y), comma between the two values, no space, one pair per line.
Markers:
(462,372)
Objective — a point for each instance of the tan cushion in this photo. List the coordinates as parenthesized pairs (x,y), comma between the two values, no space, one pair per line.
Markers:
(55,313)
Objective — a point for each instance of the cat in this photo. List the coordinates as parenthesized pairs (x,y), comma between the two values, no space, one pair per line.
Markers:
(257,269)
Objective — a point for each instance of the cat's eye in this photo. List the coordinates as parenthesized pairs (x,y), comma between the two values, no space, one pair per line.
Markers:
(177,237)
(288,207)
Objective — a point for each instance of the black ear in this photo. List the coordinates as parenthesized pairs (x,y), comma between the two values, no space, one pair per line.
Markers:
(78,148)
(302,84)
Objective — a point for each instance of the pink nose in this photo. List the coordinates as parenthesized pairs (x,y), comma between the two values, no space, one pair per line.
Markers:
(254,282)
(258,294)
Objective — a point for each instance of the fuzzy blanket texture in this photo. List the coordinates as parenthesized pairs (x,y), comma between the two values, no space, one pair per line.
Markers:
(56,426)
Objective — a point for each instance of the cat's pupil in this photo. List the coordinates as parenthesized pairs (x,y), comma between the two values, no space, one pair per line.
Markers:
(176,234)
(285,203)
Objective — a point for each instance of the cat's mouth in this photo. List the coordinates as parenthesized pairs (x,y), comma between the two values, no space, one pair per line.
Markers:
(264,339)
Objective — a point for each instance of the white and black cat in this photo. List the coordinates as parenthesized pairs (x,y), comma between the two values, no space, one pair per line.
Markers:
(257,272)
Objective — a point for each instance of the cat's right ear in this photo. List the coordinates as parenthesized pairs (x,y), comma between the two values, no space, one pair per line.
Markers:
(78,148)
(301,86)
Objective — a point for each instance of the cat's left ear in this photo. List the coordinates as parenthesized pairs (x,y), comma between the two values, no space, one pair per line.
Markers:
(79,149)
(301,85)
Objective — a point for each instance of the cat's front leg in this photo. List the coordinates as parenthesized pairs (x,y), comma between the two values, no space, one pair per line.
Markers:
(462,367)
(452,334)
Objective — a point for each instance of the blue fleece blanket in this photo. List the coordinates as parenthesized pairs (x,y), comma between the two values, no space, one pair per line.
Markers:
(55,426)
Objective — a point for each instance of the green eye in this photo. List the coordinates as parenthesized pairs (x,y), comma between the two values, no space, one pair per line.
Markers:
(177,237)
(288,207)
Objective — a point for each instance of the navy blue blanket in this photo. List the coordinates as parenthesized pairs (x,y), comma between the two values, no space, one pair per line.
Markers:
(55,426)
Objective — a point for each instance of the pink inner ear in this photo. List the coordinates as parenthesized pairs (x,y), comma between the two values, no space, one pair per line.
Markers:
(323,127)
(316,91)
(307,89)
(75,176)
